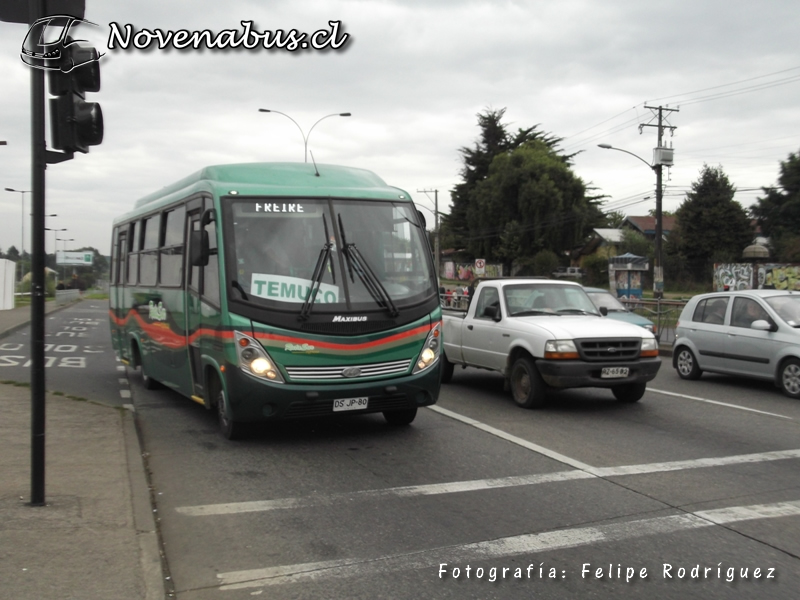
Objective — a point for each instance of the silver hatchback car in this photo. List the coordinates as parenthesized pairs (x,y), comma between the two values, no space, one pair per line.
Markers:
(753,333)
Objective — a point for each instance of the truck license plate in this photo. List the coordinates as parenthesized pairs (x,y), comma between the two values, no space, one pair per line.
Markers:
(612,372)
(350,404)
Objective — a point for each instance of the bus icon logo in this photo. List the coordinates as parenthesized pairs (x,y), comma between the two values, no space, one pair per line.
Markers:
(46,42)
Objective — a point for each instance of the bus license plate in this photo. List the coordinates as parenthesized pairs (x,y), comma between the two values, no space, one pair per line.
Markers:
(350,404)
(612,372)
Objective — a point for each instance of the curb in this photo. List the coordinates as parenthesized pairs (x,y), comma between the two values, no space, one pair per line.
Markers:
(150,556)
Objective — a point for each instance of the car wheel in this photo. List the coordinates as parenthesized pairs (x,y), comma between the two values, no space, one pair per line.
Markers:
(686,364)
(790,378)
(400,417)
(630,392)
(447,369)
(527,386)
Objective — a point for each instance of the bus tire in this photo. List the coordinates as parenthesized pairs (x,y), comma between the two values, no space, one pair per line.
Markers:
(447,369)
(400,417)
(148,382)
(229,428)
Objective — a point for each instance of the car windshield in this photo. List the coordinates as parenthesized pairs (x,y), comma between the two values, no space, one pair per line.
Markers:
(601,299)
(530,299)
(787,307)
(357,255)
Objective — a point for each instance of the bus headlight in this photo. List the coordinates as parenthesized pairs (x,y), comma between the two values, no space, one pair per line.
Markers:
(430,349)
(254,360)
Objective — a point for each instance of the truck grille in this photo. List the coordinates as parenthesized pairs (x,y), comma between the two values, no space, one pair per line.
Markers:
(338,372)
(609,349)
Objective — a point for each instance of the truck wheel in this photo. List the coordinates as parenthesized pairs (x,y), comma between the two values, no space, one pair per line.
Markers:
(630,392)
(400,417)
(686,364)
(447,369)
(527,386)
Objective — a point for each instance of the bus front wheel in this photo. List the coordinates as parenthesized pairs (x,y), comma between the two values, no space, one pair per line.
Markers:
(229,428)
(400,417)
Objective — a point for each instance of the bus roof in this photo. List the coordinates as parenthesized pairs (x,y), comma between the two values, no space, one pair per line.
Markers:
(274,179)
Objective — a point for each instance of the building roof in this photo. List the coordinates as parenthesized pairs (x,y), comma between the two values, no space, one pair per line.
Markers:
(647,225)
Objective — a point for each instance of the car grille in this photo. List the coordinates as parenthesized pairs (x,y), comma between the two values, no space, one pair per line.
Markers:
(338,372)
(609,349)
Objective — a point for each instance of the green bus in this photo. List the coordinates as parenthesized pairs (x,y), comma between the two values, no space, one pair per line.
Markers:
(271,291)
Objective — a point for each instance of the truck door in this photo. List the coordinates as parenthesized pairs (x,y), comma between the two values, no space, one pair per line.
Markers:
(478,336)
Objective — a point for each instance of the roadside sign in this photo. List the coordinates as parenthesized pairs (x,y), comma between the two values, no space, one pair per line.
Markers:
(78,259)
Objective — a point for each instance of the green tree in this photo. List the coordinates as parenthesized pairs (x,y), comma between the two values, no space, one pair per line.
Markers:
(710,226)
(494,140)
(534,187)
(778,213)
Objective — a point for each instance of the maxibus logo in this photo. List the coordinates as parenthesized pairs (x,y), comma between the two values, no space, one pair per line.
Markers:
(343,319)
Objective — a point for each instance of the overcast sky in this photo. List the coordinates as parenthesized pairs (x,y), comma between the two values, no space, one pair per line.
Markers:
(414,75)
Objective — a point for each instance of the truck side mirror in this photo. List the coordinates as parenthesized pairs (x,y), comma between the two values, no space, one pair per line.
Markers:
(604,311)
(199,248)
(493,312)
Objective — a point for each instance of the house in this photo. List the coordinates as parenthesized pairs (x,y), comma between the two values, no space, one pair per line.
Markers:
(647,225)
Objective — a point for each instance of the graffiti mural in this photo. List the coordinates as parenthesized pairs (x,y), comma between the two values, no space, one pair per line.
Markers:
(779,277)
(733,276)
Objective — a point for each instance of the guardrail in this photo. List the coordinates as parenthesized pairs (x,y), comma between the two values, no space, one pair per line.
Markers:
(65,296)
(664,313)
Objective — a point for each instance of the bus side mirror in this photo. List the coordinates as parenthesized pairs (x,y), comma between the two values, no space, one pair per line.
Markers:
(199,248)
(422,219)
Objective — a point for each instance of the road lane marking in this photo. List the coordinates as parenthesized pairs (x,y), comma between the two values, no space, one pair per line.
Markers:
(231,508)
(397,492)
(503,547)
(695,398)
(513,439)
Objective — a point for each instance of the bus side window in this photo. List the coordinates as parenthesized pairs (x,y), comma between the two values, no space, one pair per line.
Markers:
(172,247)
(148,258)
(132,270)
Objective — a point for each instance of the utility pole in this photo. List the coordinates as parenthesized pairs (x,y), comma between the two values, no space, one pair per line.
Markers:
(436,227)
(660,158)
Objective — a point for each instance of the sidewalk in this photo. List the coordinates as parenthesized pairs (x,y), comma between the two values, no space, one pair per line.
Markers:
(96,537)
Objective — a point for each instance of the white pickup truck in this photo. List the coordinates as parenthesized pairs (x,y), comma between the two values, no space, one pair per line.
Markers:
(542,334)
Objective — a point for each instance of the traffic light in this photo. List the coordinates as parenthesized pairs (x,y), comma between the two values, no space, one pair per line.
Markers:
(75,124)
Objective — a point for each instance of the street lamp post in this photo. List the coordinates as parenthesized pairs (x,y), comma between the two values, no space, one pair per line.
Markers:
(658,267)
(22,229)
(305,136)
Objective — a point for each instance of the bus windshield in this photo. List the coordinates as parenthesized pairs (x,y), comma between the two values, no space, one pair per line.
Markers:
(358,255)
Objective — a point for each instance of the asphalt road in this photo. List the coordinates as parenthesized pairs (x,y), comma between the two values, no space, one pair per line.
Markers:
(694,492)
(79,359)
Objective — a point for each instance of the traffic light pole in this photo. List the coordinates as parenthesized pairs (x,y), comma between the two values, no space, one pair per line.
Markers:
(38,165)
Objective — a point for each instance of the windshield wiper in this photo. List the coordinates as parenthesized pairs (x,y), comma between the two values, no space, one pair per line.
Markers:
(528,313)
(580,311)
(239,287)
(323,261)
(357,263)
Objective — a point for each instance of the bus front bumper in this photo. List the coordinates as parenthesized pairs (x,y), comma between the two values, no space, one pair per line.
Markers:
(252,399)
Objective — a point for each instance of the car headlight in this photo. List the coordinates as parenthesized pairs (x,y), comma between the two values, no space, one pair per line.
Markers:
(649,347)
(431,349)
(254,360)
(560,350)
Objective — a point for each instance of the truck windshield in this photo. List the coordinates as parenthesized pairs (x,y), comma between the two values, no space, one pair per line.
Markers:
(528,299)
(285,248)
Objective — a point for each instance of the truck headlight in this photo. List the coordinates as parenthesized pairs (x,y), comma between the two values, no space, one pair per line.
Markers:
(560,350)
(431,349)
(649,348)
(254,360)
